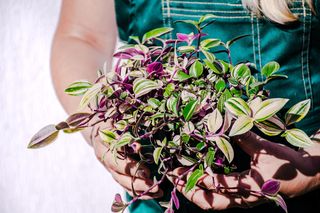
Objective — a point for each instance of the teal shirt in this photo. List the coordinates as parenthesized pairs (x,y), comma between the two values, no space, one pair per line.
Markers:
(296,47)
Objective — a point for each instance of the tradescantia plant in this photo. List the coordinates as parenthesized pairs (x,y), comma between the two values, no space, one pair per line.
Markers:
(181,104)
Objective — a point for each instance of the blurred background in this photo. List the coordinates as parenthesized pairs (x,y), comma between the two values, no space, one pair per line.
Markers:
(64,177)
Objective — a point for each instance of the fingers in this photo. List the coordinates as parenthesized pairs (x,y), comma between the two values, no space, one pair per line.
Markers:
(206,199)
(138,184)
(123,166)
(148,196)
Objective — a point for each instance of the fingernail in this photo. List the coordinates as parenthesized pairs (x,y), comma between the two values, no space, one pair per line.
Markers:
(142,174)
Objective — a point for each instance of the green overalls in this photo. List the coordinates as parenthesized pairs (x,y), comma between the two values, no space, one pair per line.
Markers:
(296,47)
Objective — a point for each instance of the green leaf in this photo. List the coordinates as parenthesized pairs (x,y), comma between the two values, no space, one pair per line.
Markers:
(206,17)
(44,137)
(154,103)
(298,138)
(210,157)
(172,105)
(196,69)
(271,127)
(125,139)
(181,76)
(214,121)
(297,112)
(210,43)
(226,148)
(156,33)
(270,68)
(232,41)
(169,89)
(90,95)
(242,125)
(135,38)
(189,109)
(209,56)
(186,49)
(269,107)
(78,88)
(193,179)
(226,95)
(237,106)
(200,146)
(121,125)
(142,86)
(214,66)
(220,85)
(240,71)
(157,154)
(108,136)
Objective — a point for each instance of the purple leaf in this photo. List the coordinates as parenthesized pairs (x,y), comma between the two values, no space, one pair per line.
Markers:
(77,118)
(169,210)
(155,67)
(279,201)
(183,37)
(118,205)
(118,198)
(175,199)
(270,187)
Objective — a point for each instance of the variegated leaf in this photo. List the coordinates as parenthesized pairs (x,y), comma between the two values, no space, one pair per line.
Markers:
(242,125)
(172,104)
(297,112)
(214,121)
(298,138)
(78,88)
(237,106)
(226,148)
(90,95)
(125,139)
(255,105)
(108,136)
(142,86)
(272,126)
(44,137)
(269,107)
(156,154)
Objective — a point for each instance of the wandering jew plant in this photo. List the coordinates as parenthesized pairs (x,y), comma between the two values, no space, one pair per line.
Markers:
(182,104)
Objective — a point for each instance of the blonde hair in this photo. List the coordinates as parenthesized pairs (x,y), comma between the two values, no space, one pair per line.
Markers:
(275,10)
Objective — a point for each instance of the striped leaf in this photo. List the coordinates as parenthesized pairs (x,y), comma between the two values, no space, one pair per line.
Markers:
(240,71)
(108,136)
(270,68)
(125,139)
(90,95)
(226,148)
(189,109)
(78,88)
(269,107)
(172,104)
(142,86)
(156,33)
(237,106)
(193,179)
(44,137)
(298,138)
(297,112)
(271,127)
(242,125)
(196,69)
(157,154)
(214,121)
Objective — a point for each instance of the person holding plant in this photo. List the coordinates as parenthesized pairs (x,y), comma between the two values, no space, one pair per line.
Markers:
(280,30)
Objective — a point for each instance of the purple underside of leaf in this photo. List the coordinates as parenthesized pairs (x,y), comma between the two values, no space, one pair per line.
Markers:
(270,187)
(155,67)
(175,199)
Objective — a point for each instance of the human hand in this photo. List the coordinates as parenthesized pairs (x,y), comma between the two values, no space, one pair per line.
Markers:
(297,171)
(127,172)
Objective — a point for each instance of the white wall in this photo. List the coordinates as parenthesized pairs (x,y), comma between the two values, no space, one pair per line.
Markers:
(64,177)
